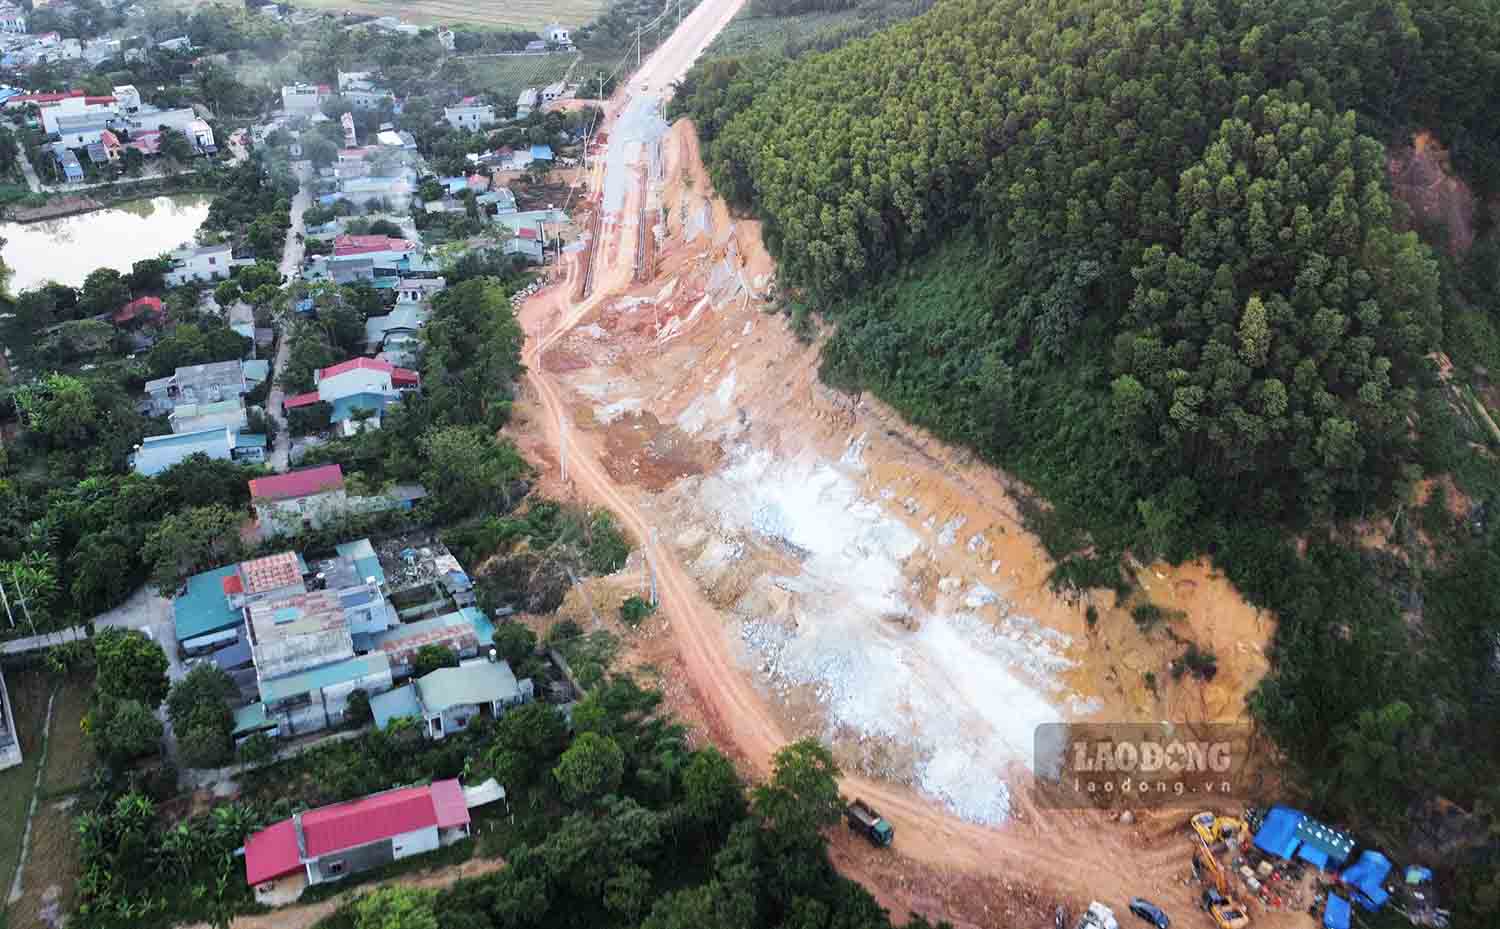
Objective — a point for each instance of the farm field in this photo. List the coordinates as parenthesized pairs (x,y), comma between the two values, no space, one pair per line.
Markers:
(508,75)
(516,14)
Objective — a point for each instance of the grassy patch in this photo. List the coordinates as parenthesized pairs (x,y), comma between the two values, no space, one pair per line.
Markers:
(507,76)
(69,756)
(50,883)
(28,701)
(518,14)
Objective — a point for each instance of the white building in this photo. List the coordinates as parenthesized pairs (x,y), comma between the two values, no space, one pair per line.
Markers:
(525,103)
(554,92)
(469,117)
(302,99)
(127,99)
(94,108)
(205,263)
(558,34)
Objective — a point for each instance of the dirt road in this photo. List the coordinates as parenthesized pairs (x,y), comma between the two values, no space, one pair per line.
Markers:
(1072,856)
(308,915)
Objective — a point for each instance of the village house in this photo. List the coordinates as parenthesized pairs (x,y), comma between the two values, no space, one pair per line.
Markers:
(555,91)
(396,337)
(204,383)
(204,263)
(333,842)
(469,116)
(157,453)
(525,103)
(303,499)
(448,700)
(458,631)
(304,99)
(558,34)
(197,417)
(358,389)
(140,311)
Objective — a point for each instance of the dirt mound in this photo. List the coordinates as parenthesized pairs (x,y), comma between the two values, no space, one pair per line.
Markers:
(1422,177)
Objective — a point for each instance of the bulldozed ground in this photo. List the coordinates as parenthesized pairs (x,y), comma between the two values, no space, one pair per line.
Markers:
(826,569)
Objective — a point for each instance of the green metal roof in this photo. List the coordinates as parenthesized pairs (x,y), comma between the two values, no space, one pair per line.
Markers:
(366,562)
(329,675)
(251,718)
(476,682)
(204,608)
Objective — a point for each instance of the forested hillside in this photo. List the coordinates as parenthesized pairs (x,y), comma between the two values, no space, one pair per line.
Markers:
(1144,255)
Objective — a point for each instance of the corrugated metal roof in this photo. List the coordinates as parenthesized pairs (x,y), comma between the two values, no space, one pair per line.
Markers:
(300,483)
(471,683)
(272,853)
(203,608)
(343,672)
(383,816)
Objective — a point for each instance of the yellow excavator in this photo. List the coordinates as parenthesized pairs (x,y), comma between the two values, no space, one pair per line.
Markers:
(1213,828)
(1221,908)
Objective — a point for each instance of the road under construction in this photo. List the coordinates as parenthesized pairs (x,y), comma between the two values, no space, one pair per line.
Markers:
(666,299)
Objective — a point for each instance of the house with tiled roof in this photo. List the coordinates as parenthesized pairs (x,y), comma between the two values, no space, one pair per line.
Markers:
(335,841)
(379,248)
(303,499)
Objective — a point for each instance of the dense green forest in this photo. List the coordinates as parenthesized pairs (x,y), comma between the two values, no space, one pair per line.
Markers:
(1145,256)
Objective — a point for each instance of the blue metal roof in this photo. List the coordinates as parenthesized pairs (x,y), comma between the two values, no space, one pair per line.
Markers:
(1366,877)
(205,608)
(344,407)
(394,704)
(541,152)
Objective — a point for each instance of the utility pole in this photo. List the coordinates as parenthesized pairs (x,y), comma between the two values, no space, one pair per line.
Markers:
(562,445)
(638,47)
(6,600)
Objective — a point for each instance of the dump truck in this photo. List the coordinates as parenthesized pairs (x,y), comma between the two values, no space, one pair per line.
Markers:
(863,818)
(1098,916)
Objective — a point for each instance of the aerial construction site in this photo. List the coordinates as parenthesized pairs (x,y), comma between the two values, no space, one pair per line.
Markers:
(826,569)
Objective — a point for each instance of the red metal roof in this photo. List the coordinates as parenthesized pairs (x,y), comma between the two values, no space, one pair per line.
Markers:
(449,804)
(55,97)
(526,233)
(301,483)
(307,399)
(404,376)
(232,584)
(97,101)
(382,816)
(272,852)
(150,306)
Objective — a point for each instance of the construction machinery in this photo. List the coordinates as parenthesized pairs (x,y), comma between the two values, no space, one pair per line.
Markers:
(1217,902)
(863,818)
(1213,828)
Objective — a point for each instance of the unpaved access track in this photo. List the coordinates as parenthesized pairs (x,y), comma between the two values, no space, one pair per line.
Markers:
(942,866)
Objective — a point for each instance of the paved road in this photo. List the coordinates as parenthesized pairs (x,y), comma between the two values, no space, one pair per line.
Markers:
(291,263)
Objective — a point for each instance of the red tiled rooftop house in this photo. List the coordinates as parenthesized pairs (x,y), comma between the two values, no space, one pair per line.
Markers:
(329,843)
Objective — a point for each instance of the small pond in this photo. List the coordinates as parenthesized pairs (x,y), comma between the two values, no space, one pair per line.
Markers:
(67,249)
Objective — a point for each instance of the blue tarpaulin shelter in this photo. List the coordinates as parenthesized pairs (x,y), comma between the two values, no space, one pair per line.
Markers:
(1366,879)
(1336,913)
(1278,832)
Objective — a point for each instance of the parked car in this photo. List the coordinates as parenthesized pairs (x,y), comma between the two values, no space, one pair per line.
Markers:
(1150,912)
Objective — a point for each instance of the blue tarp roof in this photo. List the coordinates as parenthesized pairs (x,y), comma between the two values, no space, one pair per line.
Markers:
(1366,877)
(1314,856)
(1278,832)
(204,608)
(1336,913)
(541,152)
